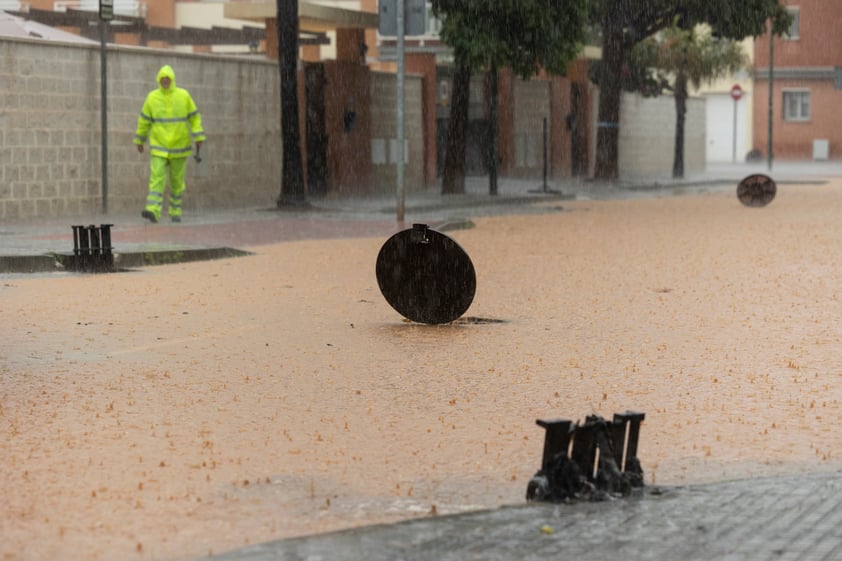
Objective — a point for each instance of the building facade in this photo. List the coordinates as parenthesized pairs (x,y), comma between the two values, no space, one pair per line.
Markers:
(803,111)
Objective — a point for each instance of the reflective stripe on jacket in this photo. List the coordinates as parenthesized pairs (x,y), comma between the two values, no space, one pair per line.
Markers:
(169,119)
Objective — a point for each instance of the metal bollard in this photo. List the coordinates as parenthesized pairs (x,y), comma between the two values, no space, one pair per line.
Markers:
(595,459)
(585,445)
(93,235)
(626,432)
(91,249)
(106,256)
(77,240)
(556,439)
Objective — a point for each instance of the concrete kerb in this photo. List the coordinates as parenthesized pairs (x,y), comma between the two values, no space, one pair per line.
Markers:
(437,213)
(431,207)
(55,262)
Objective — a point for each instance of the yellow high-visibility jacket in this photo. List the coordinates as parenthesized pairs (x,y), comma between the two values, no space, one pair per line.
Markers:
(169,119)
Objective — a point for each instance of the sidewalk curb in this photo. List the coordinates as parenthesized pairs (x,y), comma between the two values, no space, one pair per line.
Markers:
(55,262)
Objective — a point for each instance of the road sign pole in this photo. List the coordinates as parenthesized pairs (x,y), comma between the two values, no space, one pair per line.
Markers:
(400,112)
(736,95)
(769,155)
(734,155)
(103,23)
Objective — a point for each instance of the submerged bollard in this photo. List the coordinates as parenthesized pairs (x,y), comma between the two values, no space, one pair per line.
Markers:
(626,431)
(556,439)
(91,249)
(593,460)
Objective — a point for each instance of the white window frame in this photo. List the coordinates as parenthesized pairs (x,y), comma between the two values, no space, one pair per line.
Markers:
(794,31)
(799,114)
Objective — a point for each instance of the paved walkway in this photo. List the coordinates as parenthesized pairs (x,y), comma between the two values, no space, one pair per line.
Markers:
(31,246)
(787,519)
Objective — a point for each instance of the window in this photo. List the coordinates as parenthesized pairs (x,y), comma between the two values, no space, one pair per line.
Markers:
(433,24)
(794,32)
(796,106)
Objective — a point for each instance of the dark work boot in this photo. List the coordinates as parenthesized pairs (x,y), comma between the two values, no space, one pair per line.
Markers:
(147,214)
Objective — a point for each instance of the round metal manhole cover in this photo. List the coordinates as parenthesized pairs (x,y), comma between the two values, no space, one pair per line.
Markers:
(756,190)
(426,276)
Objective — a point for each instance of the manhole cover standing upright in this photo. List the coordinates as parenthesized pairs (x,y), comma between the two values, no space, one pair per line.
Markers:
(757,190)
(426,276)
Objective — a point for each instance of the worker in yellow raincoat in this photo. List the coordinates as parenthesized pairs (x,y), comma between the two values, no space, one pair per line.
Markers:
(170,121)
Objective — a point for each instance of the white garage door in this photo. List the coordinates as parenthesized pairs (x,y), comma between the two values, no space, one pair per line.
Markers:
(720,128)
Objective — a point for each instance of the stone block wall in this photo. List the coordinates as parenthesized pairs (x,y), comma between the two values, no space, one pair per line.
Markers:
(532,106)
(384,133)
(647,136)
(50,121)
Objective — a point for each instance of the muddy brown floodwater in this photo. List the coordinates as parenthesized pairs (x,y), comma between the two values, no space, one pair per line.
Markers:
(191,409)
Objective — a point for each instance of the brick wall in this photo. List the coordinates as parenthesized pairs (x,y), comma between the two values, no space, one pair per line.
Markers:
(794,140)
(809,62)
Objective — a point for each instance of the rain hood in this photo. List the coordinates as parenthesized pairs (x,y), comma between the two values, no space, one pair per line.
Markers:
(168,72)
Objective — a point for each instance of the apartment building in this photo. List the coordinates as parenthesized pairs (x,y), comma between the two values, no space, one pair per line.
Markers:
(805,68)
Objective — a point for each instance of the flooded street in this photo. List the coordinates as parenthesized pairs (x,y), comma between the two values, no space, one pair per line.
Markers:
(191,409)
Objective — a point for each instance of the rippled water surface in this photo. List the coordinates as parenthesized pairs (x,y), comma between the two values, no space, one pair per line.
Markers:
(196,408)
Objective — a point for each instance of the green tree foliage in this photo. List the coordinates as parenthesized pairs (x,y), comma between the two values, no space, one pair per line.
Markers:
(688,56)
(485,35)
(625,23)
(522,34)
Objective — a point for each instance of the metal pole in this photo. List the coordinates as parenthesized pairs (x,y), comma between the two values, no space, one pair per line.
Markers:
(544,186)
(104,113)
(769,156)
(400,110)
(734,152)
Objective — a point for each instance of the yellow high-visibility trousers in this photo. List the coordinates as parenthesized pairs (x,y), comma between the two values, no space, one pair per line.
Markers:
(160,169)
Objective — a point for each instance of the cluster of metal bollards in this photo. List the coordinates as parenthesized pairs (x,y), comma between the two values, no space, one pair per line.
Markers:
(91,250)
(592,461)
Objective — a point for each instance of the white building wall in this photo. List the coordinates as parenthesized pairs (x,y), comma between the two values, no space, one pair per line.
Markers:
(647,136)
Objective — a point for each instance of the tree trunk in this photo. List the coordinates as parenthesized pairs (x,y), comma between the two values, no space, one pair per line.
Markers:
(453,180)
(680,116)
(610,95)
(293,190)
(493,156)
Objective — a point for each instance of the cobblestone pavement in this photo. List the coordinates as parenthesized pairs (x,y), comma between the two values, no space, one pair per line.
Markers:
(786,518)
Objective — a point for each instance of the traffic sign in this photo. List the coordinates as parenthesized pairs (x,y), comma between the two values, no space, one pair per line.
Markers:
(736,92)
(415,17)
(106,10)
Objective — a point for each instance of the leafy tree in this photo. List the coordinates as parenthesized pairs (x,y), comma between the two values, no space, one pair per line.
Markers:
(689,56)
(625,23)
(293,192)
(485,35)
